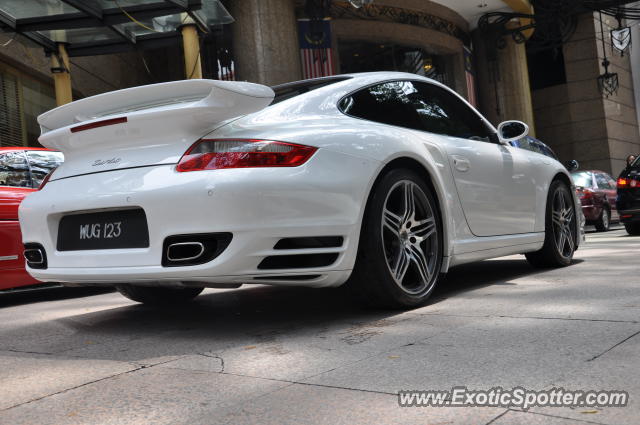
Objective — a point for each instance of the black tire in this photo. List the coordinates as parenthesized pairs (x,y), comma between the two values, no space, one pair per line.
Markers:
(552,255)
(633,228)
(415,248)
(158,295)
(603,224)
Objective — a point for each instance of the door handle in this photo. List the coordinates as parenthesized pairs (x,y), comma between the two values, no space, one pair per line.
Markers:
(461,163)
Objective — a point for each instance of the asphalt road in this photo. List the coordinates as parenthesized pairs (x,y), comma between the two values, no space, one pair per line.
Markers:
(291,356)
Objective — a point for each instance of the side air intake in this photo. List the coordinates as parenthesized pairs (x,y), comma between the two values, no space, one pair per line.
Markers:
(310,242)
(303,261)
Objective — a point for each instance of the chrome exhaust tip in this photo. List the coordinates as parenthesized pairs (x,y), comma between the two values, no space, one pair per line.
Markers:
(184,251)
(194,249)
(35,256)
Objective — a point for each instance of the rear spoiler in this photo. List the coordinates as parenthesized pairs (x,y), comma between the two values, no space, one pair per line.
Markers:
(225,99)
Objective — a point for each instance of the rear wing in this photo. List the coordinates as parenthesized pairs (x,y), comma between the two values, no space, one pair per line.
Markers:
(224,99)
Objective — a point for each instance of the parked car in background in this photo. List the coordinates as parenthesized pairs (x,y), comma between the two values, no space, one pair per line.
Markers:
(597,192)
(628,200)
(21,172)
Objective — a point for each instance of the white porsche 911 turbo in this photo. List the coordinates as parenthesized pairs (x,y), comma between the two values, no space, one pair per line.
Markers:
(380,180)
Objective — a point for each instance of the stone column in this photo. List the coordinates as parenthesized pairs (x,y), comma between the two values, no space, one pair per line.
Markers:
(191,51)
(265,41)
(62,75)
(503,82)
(515,84)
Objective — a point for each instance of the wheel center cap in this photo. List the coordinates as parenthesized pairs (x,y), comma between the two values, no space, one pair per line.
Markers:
(404,236)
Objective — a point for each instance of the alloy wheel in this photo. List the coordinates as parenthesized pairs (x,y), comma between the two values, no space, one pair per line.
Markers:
(563,215)
(605,219)
(410,238)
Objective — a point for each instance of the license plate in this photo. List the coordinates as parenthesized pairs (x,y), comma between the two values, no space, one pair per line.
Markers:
(103,230)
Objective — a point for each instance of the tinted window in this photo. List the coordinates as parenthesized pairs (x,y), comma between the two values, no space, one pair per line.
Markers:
(441,112)
(604,182)
(582,179)
(387,103)
(416,105)
(534,145)
(14,170)
(546,150)
(289,90)
(42,162)
(525,143)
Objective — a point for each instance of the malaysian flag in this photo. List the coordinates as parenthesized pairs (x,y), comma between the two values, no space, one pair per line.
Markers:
(315,48)
(470,75)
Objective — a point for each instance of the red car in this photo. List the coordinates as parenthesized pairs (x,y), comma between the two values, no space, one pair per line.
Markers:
(597,191)
(21,172)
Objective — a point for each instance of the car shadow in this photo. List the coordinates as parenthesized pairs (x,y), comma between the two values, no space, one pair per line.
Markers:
(44,293)
(108,327)
(249,308)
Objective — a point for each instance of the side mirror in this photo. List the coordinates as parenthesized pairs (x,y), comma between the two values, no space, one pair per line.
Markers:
(572,165)
(509,131)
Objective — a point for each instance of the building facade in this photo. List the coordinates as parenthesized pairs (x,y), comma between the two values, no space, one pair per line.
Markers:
(276,41)
(433,38)
(571,113)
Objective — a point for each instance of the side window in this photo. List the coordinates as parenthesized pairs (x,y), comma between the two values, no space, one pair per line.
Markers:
(419,106)
(42,162)
(537,147)
(443,113)
(582,179)
(523,143)
(14,170)
(385,103)
(546,150)
(603,181)
(534,145)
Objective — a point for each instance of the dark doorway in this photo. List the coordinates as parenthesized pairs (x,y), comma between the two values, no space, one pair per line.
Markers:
(358,56)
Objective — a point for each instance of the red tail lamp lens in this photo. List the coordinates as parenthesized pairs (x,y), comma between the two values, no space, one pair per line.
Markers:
(585,193)
(46,179)
(220,154)
(98,124)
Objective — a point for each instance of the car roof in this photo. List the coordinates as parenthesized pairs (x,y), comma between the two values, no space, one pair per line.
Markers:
(593,171)
(23,148)
(377,75)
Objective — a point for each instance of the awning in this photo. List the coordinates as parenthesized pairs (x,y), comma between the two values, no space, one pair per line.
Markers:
(95,27)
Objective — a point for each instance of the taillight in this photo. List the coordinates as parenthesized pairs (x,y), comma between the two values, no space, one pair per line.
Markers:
(46,179)
(626,183)
(585,194)
(242,153)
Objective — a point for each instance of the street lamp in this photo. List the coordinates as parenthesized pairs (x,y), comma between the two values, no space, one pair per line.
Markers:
(608,82)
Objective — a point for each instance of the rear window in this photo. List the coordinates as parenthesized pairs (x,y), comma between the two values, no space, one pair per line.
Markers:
(582,179)
(290,90)
(42,162)
(14,170)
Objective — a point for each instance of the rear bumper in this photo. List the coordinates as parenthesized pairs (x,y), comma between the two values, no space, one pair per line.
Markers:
(591,212)
(325,197)
(12,269)
(629,216)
